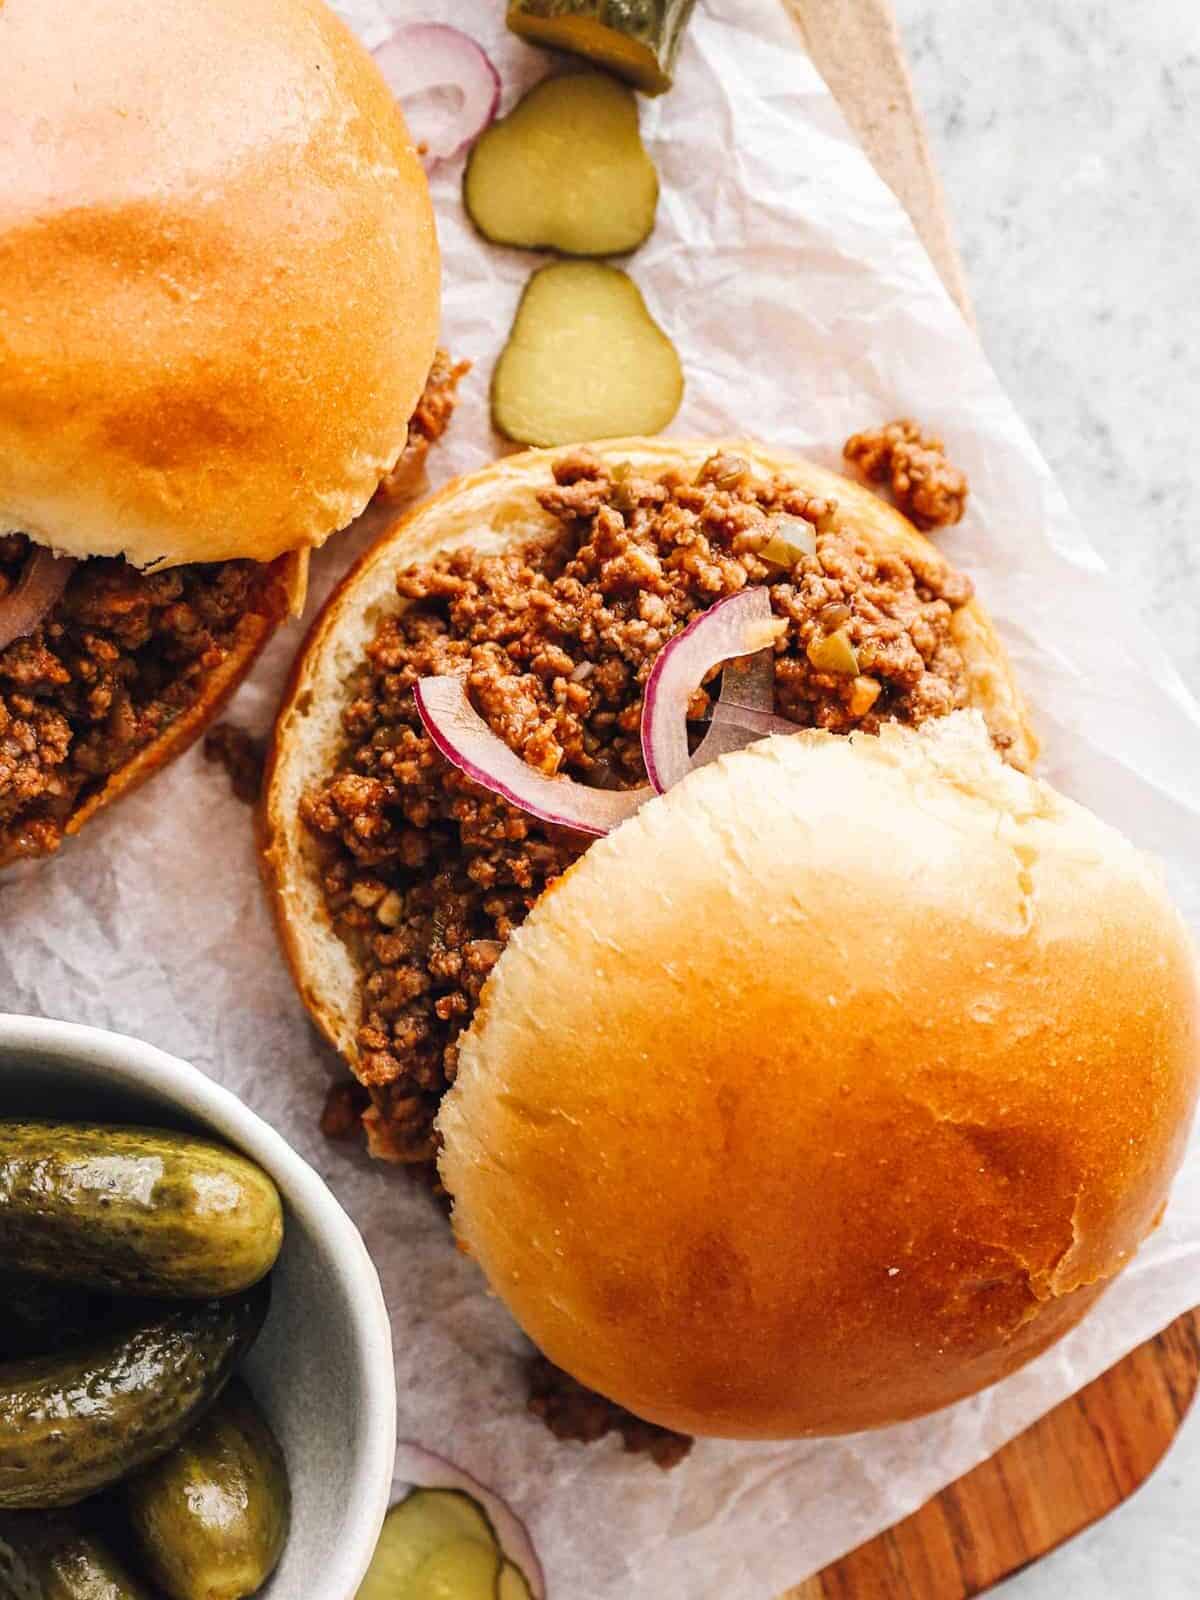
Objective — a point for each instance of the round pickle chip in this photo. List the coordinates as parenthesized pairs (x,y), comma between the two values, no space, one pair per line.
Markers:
(423,1523)
(639,39)
(585,360)
(565,170)
(462,1570)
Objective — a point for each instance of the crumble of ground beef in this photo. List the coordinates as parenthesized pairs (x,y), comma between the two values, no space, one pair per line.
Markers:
(113,663)
(913,464)
(241,755)
(429,422)
(572,1411)
(342,1115)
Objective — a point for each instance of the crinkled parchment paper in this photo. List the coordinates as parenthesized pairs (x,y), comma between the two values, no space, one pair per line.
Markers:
(804,308)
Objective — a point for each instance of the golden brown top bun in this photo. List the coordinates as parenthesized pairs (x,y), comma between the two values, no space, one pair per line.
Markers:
(218,277)
(489,510)
(830,1088)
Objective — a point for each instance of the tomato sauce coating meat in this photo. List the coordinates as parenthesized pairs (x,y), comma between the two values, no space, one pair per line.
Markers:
(119,657)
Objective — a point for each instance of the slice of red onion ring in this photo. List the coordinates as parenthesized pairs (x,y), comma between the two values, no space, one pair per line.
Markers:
(418,1468)
(41,583)
(733,727)
(739,625)
(749,683)
(464,738)
(446,84)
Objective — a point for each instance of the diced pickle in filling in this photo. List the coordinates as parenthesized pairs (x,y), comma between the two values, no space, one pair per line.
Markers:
(426,874)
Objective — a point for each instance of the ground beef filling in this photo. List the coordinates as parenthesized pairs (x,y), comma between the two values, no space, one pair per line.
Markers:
(426,874)
(429,422)
(115,661)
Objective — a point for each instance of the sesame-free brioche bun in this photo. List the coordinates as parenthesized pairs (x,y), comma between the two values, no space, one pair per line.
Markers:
(830,1088)
(218,277)
(490,510)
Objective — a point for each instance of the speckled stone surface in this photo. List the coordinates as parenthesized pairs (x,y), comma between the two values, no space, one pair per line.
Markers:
(1068,136)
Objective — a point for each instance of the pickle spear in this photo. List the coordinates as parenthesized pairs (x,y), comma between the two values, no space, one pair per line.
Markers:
(585,360)
(565,170)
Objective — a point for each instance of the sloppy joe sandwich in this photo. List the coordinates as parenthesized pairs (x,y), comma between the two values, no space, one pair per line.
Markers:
(801,1008)
(218,308)
(829,1089)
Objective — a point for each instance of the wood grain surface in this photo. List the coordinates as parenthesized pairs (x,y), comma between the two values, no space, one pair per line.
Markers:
(1083,1459)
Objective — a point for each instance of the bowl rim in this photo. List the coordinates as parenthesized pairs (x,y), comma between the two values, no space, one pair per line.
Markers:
(367,1494)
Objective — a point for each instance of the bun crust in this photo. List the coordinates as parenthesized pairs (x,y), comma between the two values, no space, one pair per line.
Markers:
(827,1090)
(218,277)
(490,510)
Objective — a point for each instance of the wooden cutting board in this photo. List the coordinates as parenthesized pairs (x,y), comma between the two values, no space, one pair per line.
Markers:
(1082,1460)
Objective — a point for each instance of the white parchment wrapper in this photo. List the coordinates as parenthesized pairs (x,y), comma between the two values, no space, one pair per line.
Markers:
(804,308)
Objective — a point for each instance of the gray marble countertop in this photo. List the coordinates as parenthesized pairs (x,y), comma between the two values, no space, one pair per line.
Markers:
(1067,132)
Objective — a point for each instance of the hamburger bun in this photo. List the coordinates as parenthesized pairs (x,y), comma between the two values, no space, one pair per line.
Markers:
(218,277)
(832,1087)
(490,510)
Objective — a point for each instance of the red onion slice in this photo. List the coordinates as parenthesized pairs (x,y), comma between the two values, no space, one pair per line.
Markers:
(733,727)
(41,583)
(749,683)
(418,1468)
(739,625)
(445,83)
(464,738)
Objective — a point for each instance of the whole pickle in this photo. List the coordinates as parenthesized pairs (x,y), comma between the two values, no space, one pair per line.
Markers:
(211,1518)
(72,1424)
(53,1557)
(134,1210)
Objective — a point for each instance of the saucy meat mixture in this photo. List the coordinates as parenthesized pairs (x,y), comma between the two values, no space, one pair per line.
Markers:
(427,874)
(111,665)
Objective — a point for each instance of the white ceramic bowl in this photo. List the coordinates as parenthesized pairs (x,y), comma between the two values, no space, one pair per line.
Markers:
(322,1369)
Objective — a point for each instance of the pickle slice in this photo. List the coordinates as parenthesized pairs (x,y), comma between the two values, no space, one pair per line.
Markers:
(462,1570)
(511,1584)
(415,1530)
(585,360)
(637,38)
(565,170)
